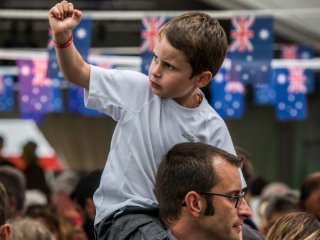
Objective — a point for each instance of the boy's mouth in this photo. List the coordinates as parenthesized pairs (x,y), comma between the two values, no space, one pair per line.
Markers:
(154,85)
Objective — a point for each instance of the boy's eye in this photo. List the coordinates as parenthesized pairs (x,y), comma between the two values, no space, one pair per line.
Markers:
(155,58)
(169,66)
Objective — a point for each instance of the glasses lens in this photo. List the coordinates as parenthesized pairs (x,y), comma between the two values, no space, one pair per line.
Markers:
(239,199)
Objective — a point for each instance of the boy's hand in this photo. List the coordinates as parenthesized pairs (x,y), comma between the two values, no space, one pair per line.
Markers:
(63,18)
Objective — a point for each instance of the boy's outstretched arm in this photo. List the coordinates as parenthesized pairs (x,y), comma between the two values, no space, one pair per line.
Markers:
(63,18)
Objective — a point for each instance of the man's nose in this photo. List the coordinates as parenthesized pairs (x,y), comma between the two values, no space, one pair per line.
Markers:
(244,210)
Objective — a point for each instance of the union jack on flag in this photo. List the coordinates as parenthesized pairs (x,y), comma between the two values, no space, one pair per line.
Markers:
(150,27)
(291,103)
(301,52)
(251,50)
(149,31)
(289,52)
(36,92)
(242,34)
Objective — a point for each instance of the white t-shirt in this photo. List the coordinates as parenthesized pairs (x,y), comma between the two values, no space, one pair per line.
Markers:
(147,127)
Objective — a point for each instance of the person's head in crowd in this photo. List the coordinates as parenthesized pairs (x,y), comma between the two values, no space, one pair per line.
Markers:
(247,168)
(46,215)
(3,160)
(15,183)
(200,195)
(278,206)
(257,184)
(248,174)
(84,190)
(310,194)
(5,229)
(29,229)
(295,226)
(61,227)
(270,190)
(29,153)
(61,191)
(83,196)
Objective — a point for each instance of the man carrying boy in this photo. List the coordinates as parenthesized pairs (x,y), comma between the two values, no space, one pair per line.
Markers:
(207,202)
(153,112)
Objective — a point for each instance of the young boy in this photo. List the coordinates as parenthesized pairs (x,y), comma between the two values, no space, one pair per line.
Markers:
(153,113)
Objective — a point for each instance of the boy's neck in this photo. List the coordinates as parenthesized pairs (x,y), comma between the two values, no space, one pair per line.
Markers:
(193,101)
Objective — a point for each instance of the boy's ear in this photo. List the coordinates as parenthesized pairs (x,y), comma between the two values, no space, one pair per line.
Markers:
(203,79)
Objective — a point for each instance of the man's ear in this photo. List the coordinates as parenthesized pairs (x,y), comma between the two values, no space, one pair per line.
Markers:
(5,231)
(194,203)
(203,79)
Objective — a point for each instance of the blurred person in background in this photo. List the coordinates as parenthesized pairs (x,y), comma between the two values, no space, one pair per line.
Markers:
(310,194)
(83,196)
(249,229)
(278,206)
(35,174)
(15,184)
(270,190)
(295,226)
(3,160)
(29,229)
(5,228)
(70,212)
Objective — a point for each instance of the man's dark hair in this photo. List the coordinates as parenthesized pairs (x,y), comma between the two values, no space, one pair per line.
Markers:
(186,167)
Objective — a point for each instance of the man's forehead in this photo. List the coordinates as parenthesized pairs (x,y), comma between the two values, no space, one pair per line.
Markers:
(227,173)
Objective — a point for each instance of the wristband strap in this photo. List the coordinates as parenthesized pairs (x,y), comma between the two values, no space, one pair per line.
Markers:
(66,44)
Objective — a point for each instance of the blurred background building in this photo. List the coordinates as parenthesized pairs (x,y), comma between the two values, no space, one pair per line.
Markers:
(281,150)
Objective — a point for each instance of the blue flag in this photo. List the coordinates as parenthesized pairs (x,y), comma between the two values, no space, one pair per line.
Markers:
(250,49)
(227,97)
(291,100)
(6,93)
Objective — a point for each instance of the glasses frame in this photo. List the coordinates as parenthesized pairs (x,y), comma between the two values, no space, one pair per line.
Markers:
(237,198)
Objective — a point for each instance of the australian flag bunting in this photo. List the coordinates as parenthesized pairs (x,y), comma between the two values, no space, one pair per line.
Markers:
(149,31)
(6,93)
(37,94)
(250,50)
(291,99)
(265,93)
(53,70)
(82,40)
(227,97)
(300,52)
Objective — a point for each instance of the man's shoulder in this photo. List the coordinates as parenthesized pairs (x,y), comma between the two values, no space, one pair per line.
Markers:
(248,233)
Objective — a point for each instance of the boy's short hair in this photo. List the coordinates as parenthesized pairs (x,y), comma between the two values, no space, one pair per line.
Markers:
(200,37)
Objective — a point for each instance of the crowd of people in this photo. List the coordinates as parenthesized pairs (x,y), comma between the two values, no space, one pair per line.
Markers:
(172,172)
(200,195)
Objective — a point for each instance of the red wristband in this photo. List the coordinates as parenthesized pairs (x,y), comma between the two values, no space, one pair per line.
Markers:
(66,44)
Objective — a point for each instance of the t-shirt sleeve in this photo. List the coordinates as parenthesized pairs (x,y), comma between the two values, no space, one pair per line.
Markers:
(221,137)
(116,92)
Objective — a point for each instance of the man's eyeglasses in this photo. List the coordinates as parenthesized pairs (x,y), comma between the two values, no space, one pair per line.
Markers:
(237,198)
